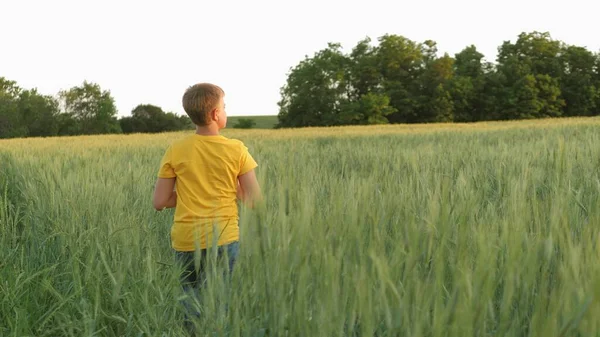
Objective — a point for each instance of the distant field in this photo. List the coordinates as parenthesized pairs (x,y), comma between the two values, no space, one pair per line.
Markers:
(262,122)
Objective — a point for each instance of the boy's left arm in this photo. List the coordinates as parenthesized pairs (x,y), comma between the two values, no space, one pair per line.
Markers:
(165,195)
(239,192)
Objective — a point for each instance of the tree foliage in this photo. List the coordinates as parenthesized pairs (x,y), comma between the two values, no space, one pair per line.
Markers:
(244,123)
(390,80)
(11,124)
(398,80)
(148,118)
(316,90)
(93,108)
(80,110)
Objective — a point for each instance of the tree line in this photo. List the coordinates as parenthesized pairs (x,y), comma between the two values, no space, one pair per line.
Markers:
(81,110)
(398,80)
(395,80)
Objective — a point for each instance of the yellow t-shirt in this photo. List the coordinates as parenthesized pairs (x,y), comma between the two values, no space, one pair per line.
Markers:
(206,170)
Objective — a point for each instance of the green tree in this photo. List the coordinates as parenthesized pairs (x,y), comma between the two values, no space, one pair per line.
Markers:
(534,97)
(400,62)
(185,122)
(148,118)
(38,113)
(534,77)
(173,122)
(464,95)
(244,123)
(315,90)
(368,103)
(129,124)
(526,102)
(371,108)
(435,101)
(440,107)
(92,108)
(364,72)
(549,94)
(529,70)
(67,125)
(469,63)
(534,53)
(472,86)
(10,119)
(578,84)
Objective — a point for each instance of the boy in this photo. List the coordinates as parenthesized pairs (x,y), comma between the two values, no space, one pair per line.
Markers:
(202,176)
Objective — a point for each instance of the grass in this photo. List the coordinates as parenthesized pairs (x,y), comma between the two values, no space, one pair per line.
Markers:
(486,229)
(262,122)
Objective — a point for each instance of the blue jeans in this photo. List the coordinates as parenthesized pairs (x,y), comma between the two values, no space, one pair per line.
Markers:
(193,274)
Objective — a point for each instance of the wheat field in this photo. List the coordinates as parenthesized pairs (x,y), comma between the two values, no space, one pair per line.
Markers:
(486,229)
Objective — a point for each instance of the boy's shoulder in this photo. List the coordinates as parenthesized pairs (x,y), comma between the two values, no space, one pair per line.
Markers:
(233,141)
(216,140)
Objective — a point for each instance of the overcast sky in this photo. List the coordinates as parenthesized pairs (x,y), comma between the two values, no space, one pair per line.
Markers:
(151,51)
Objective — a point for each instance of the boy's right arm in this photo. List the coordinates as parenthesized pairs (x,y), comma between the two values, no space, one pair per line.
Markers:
(250,189)
(165,195)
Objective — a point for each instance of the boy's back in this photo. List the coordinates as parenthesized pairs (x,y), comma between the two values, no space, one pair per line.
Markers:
(206,171)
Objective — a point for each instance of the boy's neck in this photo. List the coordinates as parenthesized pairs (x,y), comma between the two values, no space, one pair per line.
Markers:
(207,130)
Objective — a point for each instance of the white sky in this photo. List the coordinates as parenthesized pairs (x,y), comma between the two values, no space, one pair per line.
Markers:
(151,51)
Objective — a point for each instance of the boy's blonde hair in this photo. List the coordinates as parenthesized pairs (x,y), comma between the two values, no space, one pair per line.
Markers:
(200,99)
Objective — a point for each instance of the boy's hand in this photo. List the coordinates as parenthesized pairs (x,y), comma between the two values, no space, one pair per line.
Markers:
(165,195)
